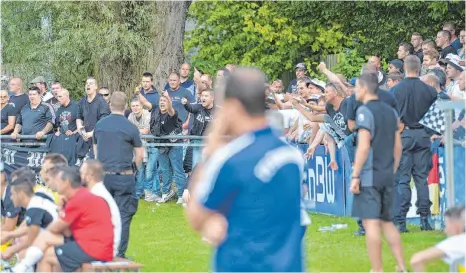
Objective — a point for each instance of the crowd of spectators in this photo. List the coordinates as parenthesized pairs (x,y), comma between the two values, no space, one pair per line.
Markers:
(314,112)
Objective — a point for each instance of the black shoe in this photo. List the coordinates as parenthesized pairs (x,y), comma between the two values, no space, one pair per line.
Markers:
(360,232)
(402,228)
(425,226)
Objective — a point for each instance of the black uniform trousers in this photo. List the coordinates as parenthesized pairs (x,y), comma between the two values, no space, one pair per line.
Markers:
(123,190)
(416,162)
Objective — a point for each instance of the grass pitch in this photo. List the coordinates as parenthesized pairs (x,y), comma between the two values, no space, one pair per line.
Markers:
(162,240)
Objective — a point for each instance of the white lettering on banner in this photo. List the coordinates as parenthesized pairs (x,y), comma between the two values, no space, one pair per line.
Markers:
(8,156)
(35,159)
(321,175)
(443,204)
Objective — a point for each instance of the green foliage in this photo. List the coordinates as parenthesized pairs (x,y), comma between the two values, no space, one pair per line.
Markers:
(275,35)
(349,63)
(259,34)
(84,39)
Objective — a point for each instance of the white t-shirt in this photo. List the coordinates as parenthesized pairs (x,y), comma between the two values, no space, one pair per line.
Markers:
(100,190)
(454,248)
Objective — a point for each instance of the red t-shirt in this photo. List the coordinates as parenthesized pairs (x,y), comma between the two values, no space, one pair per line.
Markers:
(91,224)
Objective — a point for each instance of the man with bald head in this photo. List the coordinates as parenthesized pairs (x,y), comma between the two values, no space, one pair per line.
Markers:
(246,195)
(381,76)
(18,99)
(116,140)
(66,114)
(432,80)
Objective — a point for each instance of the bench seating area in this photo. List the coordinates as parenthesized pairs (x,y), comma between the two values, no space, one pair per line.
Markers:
(117,265)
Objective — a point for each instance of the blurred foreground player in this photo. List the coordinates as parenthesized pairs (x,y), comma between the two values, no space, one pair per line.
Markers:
(377,157)
(246,196)
(451,250)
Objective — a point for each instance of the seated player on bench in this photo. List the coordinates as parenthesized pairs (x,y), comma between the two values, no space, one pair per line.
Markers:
(11,215)
(88,218)
(40,212)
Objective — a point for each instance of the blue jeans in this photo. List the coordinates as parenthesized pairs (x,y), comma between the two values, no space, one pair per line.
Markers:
(152,174)
(172,158)
(350,147)
(140,180)
(196,153)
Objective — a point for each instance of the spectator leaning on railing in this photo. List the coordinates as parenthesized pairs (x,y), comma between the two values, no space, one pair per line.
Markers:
(35,118)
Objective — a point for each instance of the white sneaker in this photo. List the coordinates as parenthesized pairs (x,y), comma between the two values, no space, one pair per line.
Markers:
(180,201)
(153,198)
(147,193)
(166,197)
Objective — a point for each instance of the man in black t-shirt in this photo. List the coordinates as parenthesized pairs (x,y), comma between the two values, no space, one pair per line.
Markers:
(92,108)
(443,41)
(165,122)
(18,99)
(202,116)
(116,139)
(8,114)
(66,114)
(414,99)
(373,177)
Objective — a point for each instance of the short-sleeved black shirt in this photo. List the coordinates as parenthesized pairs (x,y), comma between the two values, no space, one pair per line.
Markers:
(40,212)
(353,104)
(91,112)
(414,98)
(116,137)
(18,102)
(34,120)
(381,121)
(165,125)
(447,50)
(66,117)
(7,111)
(338,115)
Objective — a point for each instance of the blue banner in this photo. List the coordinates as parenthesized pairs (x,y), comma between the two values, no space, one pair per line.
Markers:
(325,187)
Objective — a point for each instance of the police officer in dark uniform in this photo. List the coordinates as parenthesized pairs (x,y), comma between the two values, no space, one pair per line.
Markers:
(115,140)
(414,98)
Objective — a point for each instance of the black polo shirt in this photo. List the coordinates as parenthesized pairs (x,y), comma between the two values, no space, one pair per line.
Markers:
(7,111)
(381,121)
(34,120)
(66,117)
(338,115)
(447,50)
(18,102)
(116,137)
(414,99)
(353,104)
(91,112)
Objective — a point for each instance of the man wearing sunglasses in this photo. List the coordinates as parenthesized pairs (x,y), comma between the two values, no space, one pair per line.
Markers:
(105,93)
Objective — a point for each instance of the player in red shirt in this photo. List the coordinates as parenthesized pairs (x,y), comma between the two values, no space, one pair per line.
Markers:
(85,216)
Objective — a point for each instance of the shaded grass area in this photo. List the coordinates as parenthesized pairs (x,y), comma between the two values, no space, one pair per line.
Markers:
(162,240)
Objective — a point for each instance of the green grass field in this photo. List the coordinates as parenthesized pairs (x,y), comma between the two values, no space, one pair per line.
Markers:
(162,240)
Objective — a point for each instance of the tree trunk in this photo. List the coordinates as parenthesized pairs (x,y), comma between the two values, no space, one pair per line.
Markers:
(168,50)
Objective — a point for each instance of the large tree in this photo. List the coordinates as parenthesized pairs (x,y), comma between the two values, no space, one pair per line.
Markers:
(112,41)
(274,35)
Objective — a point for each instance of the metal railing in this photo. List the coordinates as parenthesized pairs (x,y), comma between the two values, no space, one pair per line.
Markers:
(34,142)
